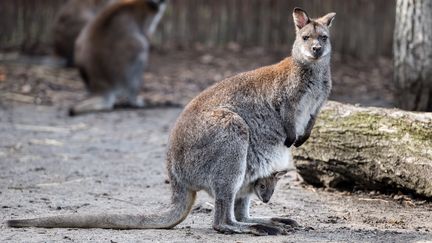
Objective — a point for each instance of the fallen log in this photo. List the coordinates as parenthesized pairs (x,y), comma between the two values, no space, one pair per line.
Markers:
(369,148)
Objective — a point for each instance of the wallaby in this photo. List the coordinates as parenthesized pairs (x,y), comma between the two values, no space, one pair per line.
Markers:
(264,187)
(233,133)
(112,52)
(70,20)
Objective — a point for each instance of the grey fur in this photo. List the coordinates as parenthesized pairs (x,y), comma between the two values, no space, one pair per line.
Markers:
(71,19)
(231,135)
(112,54)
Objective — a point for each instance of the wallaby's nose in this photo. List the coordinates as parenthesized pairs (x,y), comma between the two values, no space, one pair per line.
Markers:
(317,50)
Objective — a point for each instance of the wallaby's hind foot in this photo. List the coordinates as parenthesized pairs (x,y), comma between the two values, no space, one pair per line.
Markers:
(132,103)
(135,102)
(256,229)
(93,104)
(241,210)
(285,222)
(261,229)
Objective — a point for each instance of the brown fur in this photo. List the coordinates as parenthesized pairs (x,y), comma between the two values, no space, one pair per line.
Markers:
(112,54)
(71,19)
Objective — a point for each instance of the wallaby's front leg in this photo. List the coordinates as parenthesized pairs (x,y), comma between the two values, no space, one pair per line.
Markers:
(230,141)
(302,139)
(290,131)
(287,114)
(291,135)
(242,214)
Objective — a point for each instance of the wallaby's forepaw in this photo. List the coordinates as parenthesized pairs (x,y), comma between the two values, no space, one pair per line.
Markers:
(303,138)
(289,141)
(300,141)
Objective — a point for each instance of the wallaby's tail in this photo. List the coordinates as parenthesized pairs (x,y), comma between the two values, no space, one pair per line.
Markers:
(182,201)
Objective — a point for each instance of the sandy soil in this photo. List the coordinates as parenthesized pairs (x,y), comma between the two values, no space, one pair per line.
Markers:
(51,164)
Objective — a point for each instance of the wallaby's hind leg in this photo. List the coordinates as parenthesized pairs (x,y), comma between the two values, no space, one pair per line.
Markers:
(225,221)
(242,214)
(134,82)
(231,166)
(93,104)
(241,209)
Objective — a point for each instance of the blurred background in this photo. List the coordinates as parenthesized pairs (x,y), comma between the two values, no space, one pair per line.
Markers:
(364,29)
(199,42)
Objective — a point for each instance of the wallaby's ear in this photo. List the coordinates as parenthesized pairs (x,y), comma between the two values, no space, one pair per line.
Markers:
(327,19)
(301,18)
(280,174)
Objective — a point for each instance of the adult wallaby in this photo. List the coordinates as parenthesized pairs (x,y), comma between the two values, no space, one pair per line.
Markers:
(70,20)
(112,52)
(233,133)
(264,187)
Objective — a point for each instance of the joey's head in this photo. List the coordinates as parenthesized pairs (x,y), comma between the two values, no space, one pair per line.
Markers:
(264,187)
(312,42)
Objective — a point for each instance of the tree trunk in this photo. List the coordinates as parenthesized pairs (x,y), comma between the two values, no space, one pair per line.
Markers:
(413,54)
(369,148)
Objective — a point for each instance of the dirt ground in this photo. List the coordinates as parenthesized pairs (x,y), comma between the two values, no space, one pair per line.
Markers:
(52,164)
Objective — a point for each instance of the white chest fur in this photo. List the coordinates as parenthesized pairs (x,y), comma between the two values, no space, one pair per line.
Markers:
(280,158)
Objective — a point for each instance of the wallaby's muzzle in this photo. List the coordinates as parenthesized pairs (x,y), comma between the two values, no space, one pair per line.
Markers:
(317,51)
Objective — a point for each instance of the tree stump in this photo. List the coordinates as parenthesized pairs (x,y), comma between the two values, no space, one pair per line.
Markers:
(369,148)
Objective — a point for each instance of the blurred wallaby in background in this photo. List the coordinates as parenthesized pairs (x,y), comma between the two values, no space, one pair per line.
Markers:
(112,52)
(71,19)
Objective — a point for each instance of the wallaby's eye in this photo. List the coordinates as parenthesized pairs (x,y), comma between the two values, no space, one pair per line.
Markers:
(262,187)
(324,38)
(306,37)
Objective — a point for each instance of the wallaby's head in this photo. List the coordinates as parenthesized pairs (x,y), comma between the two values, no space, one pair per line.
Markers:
(312,41)
(155,5)
(264,187)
